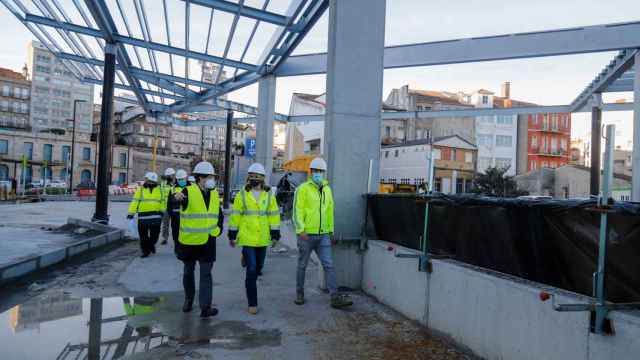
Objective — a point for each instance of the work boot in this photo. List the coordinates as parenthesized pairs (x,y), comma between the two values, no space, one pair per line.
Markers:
(299,299)
(187,306)
(208,312)
(253,310)
(340,301)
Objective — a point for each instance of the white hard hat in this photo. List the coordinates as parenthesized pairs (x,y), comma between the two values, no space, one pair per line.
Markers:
(169,172)
(181,174)
(256,168)
(318,164)
(191,178)
(151,176)
(204,168)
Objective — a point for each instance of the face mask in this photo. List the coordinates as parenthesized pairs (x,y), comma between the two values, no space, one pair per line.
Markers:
(255,183)
(317,178)
(210,184)
(182,183)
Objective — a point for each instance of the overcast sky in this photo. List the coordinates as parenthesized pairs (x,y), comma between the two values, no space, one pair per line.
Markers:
(547,81)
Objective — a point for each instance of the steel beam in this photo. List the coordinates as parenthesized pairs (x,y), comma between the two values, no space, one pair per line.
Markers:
(635,180)
(150,45)
(245,11)
(580,40)
(264,128)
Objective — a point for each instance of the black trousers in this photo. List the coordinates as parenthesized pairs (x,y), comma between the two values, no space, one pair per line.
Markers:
(149,234)
(175,230)
(206,282)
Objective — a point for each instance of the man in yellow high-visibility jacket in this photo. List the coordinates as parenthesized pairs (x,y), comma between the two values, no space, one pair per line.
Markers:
(254,224)
(149,205)
(201,220)
(313,219)
(168,180)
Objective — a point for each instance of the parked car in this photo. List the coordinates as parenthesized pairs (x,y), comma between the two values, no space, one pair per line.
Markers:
(59,184)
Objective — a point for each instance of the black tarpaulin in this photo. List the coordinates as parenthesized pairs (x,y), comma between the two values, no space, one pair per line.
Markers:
(554,242)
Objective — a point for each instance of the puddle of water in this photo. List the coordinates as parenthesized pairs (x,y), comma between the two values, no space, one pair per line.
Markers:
(58,326)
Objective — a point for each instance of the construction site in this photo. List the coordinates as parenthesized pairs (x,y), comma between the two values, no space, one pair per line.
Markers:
(433,265)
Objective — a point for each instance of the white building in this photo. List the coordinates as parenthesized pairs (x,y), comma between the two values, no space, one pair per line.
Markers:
(53,92)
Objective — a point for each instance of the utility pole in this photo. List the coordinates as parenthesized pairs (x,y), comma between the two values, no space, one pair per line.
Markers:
(73,143)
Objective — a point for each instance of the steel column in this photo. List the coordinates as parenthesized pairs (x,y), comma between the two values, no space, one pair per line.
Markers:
(106,113)
(227,160)
(95,329)
(264,123)
(596,135)
(635,189)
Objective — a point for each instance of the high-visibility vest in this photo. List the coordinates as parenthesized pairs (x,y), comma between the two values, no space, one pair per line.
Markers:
(197,221)
(254,218)
(148,204)
(176,206)
(313,208)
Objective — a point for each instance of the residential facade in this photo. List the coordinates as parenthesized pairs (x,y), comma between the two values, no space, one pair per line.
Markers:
(14,100)
(54,91)
(547,143)
(408,163)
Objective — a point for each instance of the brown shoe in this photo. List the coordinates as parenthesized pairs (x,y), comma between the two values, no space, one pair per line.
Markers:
(253,310)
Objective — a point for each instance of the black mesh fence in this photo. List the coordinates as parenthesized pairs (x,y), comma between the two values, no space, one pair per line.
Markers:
(554,242)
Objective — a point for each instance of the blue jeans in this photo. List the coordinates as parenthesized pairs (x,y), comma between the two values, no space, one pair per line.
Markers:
(254,258)
(321,244)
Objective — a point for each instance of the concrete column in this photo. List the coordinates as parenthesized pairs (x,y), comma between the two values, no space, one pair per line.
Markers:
(264,123)
(635,190)
(596,136)
(352,127)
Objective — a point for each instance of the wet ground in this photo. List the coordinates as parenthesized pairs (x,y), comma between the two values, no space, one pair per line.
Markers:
(121,306)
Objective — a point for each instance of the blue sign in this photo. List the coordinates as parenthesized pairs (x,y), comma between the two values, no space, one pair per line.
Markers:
(250,148)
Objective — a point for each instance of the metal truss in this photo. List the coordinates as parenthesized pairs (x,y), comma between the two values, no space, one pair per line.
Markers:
(55,24)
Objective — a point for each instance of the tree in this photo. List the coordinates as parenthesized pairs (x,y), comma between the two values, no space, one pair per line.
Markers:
(495,182)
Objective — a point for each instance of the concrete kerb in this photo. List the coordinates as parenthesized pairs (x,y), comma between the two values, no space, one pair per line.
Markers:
(15,270)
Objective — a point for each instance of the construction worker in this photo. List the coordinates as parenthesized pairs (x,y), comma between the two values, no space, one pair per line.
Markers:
(149,205)
(168,180)
(173,207)
(201,220)
(254,224)
(313,219)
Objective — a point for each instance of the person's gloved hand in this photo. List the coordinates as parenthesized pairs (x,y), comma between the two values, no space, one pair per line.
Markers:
(129,217)
(275,235)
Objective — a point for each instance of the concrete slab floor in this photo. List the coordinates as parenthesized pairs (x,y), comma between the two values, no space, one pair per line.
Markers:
(40,322)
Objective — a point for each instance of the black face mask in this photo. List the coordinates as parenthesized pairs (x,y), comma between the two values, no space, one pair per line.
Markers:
(255,183)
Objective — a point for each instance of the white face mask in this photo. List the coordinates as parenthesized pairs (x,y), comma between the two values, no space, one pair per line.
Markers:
(210,184)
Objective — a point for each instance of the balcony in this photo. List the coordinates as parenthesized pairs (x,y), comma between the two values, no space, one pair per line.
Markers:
(547,152)
(552,129)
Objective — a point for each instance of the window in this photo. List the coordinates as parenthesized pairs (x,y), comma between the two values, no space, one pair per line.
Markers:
(563,144)
(387,131)
(4,172)
(396,153)
(503,163)
(453,155)
(554,145)
(534,119)
(485,140)
(86,154)
(4,146)
(85,177)
(44,69)
(486,119)
(4,105)
(534,141)
(468,157)
(505,120)
(47,152)
(484,163)
(532,165)
(17,92)
(565,121)
(437,184)
(544,164)
(459,186)
(122,178)
(123,160)
(386,154)
(485,99)
(503,140)
(66,152)
(6,90)
(27,150)
(24,108)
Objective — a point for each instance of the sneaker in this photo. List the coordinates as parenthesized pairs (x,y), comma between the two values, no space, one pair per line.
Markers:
(299,299)
(188,305)
(253,310)
(208,312)
(340,301)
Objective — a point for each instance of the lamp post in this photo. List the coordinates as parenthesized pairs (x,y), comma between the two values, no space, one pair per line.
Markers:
(73,143)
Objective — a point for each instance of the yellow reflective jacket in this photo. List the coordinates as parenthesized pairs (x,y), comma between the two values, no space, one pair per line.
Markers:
(197,221)
(165,189)
(313,208)
(253,219)
(148,204)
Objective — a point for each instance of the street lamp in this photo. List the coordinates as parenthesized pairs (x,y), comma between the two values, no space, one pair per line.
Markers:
(73,143)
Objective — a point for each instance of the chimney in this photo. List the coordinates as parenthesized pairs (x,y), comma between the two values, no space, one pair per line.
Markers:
(506,90)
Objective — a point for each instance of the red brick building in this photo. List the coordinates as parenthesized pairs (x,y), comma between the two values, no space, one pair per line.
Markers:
(548,140)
